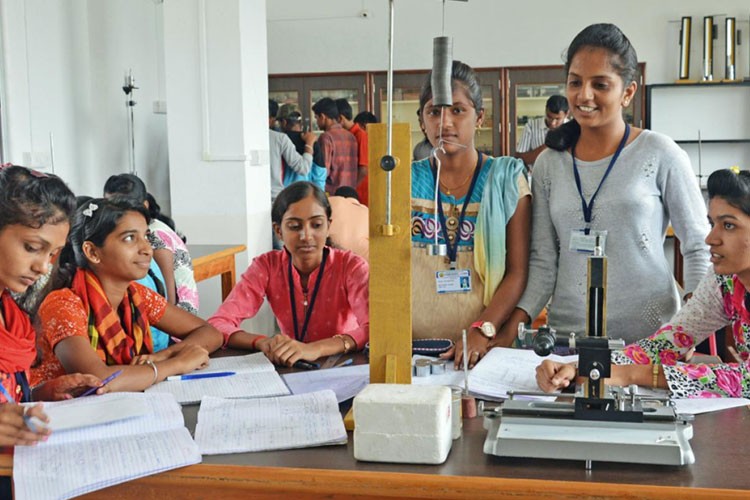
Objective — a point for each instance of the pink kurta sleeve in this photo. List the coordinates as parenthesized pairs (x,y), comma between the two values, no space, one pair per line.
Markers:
(357,277)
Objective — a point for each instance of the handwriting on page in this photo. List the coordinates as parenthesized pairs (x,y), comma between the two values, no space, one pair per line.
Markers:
(242,385)
(235,426)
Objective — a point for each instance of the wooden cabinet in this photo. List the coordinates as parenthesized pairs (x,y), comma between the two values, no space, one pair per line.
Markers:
(709,121)
(306,90)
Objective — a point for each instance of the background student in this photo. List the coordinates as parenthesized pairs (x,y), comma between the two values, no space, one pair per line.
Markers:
(721,299)
(98,320)
(34,220)
(318,293)
(602,178)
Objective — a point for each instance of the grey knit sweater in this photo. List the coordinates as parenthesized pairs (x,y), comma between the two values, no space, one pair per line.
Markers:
(651,184)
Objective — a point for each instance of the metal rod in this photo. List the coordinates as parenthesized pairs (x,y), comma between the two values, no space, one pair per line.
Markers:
(389,106)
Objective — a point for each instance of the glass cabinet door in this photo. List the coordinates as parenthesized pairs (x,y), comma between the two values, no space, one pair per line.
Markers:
(304,91)
(528,89)
(407,87)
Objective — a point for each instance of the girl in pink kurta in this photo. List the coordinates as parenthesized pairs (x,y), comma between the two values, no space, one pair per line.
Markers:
(317,293)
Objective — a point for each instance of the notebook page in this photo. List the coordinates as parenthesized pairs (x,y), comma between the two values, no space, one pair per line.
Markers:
(504,369)
(346,381)
(241,385)
(162,413)
(71,469)
(251,363)
(90,411)
(236,426)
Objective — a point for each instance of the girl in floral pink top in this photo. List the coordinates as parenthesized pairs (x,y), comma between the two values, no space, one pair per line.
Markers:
(722,298)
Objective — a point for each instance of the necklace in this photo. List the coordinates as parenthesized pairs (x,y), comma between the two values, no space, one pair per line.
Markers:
(448,189)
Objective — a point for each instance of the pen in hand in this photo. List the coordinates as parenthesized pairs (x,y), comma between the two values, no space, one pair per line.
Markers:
(106,381)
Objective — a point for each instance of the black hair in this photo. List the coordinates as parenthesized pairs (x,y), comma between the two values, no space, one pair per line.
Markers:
(345,109)
(462,76)
(33,199)
(622,58)
(93,221)
(295,192)
(365,117)
(733,187)
(557,104)
(154,211)
(127,185)
(347,192)
(273,108)
(326,106)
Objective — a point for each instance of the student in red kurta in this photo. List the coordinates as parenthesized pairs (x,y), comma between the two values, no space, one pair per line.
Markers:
(318,293)
(34,212)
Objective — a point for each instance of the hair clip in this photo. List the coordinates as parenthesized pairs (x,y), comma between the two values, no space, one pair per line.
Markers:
(89,212)
(735,169)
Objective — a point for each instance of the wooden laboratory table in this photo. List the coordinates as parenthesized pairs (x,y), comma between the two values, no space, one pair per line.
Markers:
(215,260)
(331,472)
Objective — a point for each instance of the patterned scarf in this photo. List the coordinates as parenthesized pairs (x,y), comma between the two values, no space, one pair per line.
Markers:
(499,201)
(17,338)
(116,336)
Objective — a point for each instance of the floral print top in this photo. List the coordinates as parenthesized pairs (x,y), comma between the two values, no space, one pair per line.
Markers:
(719,300)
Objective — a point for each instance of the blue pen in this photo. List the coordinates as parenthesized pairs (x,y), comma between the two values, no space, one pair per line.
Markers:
(346,362)
(106,381)
(196,376)
(26,419)
(305,365)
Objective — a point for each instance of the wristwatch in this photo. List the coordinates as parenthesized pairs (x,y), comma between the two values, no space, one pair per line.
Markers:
(347,342)
(486,328)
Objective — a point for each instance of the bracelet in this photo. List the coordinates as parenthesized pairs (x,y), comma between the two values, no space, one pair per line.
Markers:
(308,146)
(655,373)
(255,341)
(156,370)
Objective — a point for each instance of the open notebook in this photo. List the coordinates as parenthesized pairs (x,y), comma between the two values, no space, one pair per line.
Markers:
(88,458)
(237,425)
(255,377)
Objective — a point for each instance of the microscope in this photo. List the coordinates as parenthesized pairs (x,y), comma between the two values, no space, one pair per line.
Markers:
(601,423)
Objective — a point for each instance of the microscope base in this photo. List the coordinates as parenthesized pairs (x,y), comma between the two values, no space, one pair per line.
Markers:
(657,440)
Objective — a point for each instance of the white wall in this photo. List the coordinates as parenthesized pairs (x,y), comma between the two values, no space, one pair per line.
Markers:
(328,35)
(64,63)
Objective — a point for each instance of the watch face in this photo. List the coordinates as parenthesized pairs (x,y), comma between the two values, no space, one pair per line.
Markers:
(487,329)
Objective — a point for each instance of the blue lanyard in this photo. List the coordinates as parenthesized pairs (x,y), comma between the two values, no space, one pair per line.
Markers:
(588,207)
(300,336)
(453,249)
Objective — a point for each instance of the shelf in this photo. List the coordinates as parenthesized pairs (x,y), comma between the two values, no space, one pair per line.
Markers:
(701,84)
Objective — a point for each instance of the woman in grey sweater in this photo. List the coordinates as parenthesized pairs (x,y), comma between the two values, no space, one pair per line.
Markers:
(603,178)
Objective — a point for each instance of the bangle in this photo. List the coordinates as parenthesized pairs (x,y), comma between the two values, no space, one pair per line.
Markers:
(655,373)
(255,341)
(308,146)
(156,370)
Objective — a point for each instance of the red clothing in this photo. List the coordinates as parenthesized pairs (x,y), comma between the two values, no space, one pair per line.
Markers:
(63,315)
(364,160)
(339,150)
(17,346)
(341,306)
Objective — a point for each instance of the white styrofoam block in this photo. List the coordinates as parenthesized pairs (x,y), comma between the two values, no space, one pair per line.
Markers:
(403,409)
(402,423)
(401,448)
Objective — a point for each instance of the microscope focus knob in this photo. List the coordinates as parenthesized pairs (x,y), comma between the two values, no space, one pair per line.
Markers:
(595,374)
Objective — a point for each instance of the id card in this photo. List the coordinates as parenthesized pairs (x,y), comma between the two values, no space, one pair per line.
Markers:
(453,281)
(581,242)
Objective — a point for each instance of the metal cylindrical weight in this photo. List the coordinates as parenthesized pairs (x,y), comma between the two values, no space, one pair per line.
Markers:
(687,25)
(442,64)
(708,48)
(437,366)
(422,367)
(729,42)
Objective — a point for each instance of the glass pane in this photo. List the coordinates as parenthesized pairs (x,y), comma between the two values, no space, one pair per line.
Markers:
(351,95)
(531,100)
(405,107)
(483,135)
(284,96)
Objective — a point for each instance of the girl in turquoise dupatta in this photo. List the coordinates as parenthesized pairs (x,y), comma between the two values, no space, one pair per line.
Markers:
(483,217)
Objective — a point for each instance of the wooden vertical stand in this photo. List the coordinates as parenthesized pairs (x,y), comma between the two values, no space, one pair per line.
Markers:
(390,258)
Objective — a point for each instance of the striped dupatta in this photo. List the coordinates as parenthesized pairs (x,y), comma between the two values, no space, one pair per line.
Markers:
(116,336)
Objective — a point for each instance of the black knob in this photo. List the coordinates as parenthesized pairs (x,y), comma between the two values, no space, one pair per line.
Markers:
(388,163)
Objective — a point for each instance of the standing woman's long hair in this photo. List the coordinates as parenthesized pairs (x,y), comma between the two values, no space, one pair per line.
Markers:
(622,58)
